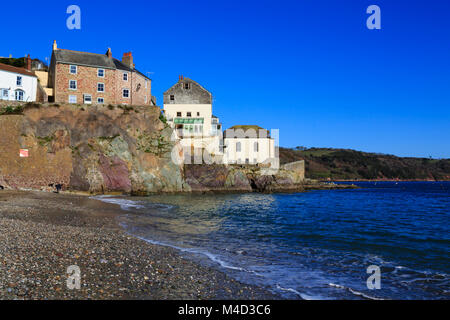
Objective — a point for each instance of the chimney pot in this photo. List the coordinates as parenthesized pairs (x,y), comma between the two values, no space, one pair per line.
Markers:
(55,46)
(109,53)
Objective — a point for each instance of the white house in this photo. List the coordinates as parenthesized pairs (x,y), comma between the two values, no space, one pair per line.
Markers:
(17,84)
(188,109)
(248,144)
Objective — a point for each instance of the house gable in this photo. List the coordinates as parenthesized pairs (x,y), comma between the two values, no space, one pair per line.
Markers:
(187,91)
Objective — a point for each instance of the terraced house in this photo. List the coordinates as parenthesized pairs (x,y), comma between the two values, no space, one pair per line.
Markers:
(90,78)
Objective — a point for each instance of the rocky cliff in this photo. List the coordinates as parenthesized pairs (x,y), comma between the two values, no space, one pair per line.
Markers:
(95,149)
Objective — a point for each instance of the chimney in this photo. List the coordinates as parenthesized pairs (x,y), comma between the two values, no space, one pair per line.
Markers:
(180,77)
(109,53)
(55,47)
(28,63)
(128,59)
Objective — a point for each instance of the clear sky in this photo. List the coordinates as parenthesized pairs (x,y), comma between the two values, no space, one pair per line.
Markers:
(309,68)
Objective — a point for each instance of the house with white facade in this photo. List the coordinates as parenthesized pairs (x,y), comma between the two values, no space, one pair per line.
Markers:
(18,84)
(188,109)
(248,144)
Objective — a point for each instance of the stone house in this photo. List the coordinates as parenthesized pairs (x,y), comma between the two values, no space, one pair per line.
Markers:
(89,78)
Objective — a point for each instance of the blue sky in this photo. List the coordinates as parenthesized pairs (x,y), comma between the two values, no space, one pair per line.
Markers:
(309,68)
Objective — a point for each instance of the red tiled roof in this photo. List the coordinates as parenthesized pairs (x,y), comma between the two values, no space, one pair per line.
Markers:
(23,71)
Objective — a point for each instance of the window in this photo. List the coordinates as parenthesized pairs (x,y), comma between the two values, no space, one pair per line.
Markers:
(256,147)
(100,100)
(19,81)
(73,84)
(198,114)
(19,95)
(172,97)
(100,87)
(187,86)
(255,160)
(126,93)
(178,114)
(5,93)
(238,147)
(188,114)
(247,161)
(87,99)
(101,73)
(73,69)
(72,99)
(125,76)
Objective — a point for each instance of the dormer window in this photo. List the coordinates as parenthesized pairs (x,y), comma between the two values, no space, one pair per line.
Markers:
(172,97)
(187,85)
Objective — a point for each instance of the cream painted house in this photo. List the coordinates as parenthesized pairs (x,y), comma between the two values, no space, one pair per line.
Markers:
(188,109)
(248,144)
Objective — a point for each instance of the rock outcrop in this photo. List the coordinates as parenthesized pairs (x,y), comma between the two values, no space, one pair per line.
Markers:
(203,178)
(95,149)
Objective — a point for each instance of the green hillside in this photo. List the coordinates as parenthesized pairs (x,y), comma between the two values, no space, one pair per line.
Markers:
(345,164)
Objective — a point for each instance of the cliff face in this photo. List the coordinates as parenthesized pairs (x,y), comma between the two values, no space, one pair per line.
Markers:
(96,149)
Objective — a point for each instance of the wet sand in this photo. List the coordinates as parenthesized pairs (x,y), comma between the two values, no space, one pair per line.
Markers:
(42,234)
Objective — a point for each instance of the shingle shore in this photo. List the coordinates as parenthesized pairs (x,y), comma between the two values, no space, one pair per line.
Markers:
(42,234)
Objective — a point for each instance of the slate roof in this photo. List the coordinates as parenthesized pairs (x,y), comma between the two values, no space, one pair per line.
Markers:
(255,132)
(91,60)
(185,79)
(7,67)
(83,58)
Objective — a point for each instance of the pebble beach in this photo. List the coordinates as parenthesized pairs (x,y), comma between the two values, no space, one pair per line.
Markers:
(42,234)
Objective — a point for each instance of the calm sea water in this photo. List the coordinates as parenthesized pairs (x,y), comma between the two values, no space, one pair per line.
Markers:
(314,245)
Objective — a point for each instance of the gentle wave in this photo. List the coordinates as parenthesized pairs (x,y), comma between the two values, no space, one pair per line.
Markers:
(209,255)
(357,293)
(126,204)
(301,295)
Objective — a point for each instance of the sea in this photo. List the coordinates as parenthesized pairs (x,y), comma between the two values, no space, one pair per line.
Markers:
(385,240)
